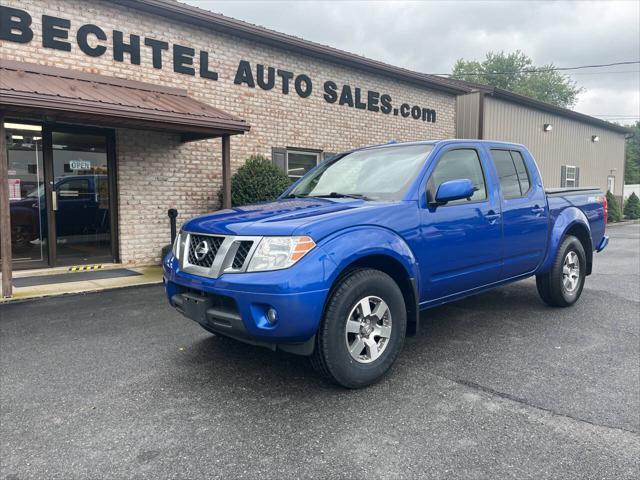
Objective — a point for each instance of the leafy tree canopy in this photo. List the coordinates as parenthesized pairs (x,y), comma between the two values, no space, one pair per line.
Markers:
(508,71)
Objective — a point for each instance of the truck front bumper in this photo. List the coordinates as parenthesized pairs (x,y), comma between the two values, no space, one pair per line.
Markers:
(238,305)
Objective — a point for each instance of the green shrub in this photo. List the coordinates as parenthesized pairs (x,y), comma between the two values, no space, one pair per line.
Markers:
(632,207)
(258,180)
(613,207)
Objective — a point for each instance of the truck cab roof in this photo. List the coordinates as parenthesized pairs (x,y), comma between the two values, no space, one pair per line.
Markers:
(442,142)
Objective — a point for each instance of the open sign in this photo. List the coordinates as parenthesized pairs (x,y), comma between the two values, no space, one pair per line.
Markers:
(80,164)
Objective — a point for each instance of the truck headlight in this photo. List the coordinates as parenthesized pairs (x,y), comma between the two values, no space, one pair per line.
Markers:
(275,253)
(178,245)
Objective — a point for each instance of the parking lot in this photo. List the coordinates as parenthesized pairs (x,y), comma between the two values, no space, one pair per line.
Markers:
(118,385)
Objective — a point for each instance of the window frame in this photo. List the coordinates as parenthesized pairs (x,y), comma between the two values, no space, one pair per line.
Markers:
(526,170)
(611,180)
(574,169)
(288,150)
(428,186)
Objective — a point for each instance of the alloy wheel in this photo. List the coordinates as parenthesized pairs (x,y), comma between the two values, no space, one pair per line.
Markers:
(571,272)
(368,329)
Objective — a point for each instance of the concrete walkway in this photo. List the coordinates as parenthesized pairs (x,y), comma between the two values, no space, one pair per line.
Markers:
(148,275)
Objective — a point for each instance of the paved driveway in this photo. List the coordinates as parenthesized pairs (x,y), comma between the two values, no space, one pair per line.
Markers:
(117,385)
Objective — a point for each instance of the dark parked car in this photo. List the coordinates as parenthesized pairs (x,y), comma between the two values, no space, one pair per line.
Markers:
(82,208)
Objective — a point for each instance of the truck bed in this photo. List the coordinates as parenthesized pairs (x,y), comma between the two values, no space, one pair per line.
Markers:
(586,199)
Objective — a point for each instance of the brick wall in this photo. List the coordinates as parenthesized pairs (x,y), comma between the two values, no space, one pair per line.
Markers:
(156,172)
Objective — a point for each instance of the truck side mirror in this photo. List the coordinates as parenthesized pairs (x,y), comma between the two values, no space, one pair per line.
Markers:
(454,190)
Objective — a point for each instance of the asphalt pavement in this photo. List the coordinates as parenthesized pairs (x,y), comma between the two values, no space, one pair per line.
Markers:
(117,385)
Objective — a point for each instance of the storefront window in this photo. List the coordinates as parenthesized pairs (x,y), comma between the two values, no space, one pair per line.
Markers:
(26,193)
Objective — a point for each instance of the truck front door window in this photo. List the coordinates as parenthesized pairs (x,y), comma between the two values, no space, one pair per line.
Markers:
(456,165)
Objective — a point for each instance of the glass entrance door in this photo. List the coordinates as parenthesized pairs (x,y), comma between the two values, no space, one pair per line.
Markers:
(60,188)
(27,205)
(80,198)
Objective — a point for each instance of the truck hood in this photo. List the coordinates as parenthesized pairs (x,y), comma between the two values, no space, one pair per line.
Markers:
(300,216)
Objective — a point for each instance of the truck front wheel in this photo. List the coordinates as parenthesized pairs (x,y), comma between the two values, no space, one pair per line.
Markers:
(562,285)
(362,330)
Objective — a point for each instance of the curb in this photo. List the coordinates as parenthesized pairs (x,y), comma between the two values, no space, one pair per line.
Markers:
(14,300)
(624,223)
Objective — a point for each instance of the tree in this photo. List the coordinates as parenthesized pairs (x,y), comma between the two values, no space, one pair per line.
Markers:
(258,180)
(632,207)
(632,156)
(509,72)
(613,208)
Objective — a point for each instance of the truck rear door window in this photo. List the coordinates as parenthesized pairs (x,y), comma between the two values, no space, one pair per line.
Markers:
(521,169)
(514,179)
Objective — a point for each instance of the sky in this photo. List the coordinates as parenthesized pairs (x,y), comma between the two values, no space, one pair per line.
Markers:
(430,36)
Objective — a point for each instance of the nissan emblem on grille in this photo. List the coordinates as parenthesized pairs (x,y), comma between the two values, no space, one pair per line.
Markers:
(202,249)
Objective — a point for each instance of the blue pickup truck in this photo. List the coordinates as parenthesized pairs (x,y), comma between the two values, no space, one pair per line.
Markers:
(341,265)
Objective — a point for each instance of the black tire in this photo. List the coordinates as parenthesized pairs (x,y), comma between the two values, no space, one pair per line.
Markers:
(331,357)
(551,286)
(21,236)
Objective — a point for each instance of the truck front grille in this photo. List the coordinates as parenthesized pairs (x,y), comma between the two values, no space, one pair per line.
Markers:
(212,255)
(241,254)
(203,249)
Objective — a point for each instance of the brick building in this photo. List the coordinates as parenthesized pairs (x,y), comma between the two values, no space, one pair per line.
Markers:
(116,111)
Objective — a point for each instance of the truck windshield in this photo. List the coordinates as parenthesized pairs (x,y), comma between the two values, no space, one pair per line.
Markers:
(381,173)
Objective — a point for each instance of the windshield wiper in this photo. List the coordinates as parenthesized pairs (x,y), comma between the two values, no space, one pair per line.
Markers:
(342,195)
(297,195)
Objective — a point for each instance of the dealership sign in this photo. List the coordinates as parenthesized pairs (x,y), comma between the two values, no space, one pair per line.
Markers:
(17,26)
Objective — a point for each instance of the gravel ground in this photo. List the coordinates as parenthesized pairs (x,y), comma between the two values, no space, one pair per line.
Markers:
(118,385)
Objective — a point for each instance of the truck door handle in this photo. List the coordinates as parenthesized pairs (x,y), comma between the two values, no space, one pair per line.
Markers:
(537,210)
(492,217)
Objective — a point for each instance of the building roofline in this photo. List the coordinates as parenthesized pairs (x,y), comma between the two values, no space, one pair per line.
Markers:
(547,107)
(214,21)
(175,10)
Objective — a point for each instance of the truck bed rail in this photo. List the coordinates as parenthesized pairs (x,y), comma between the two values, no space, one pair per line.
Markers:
(563,191)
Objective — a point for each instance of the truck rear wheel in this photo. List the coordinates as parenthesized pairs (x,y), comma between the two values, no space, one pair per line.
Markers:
(563,284)
(362,330)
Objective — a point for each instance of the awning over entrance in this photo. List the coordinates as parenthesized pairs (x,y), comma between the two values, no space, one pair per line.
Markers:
(54,95)
(71,96)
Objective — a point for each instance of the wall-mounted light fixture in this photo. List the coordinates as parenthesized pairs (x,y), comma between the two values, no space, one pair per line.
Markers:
(547,127)
(595,138)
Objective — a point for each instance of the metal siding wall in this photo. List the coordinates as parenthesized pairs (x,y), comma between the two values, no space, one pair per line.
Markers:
(569,143)
(467,120)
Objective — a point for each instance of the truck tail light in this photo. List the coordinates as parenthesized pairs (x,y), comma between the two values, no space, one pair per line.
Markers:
(605,207)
